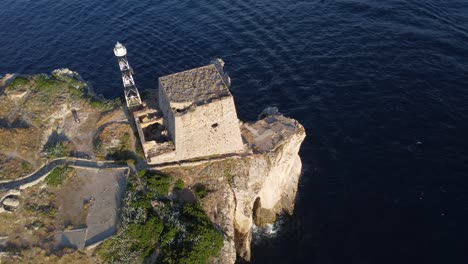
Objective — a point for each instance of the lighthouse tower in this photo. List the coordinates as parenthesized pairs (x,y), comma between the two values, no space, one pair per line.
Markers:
(131,92)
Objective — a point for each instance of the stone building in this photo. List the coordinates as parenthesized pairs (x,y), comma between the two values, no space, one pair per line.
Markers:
(196,117)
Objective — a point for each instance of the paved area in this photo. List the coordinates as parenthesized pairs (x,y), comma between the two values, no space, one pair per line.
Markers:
(98,194)
(71,238)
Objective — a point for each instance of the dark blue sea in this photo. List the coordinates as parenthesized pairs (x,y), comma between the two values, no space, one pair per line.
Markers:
(380,86)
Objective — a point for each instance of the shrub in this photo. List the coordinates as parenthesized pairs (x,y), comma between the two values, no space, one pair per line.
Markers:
(200,241)
(120,155)
(57,176)
(102,104)
(56,150)
(179,184)
(145,236)
(94,103)
(77,92)
(25,166)
(159,184)
(183,232)
(141,173)
(200,191)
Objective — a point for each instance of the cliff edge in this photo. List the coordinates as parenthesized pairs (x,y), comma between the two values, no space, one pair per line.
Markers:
(185,210)
(251,189)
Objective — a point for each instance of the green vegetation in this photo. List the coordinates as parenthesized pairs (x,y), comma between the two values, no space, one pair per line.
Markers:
(201,239)
(18,82)
(47,84)
(121,156)
(139,148)
(103,104)
(95,103)
(47,87)
(141,173)
(25,166)
(159,184)
(181,232)
(227,173)
(200,191)
(57,175)
(73,85)
(179,184)
(56,150)
(47,210)
(130,162)
(77,92)
(125,140)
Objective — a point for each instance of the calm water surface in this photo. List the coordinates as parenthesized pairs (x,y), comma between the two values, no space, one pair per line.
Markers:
(380,86)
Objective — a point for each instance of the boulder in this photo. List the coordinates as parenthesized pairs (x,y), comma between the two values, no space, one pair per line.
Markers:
(11,202)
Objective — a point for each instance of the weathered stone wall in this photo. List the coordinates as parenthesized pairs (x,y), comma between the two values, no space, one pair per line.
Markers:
(165,107)
(208,129)
(249,189)
(140,131)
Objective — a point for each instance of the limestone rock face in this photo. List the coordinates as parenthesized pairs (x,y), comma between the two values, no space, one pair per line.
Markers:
(6,79)
(271,183)
(252,188)
(11,202)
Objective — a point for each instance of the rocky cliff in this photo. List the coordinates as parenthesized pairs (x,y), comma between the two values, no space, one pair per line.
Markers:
(250,189)
(236,191)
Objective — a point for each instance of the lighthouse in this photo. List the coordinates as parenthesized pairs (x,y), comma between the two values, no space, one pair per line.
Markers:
(132,96)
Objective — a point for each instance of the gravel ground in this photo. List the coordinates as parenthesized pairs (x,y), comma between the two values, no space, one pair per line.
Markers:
(97,194)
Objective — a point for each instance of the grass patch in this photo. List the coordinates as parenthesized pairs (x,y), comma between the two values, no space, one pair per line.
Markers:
(18,82)
(47,84)
(25,166)
(179,184)
(76,92)
(125,141)
(57,175)
(159,184)
(103,104)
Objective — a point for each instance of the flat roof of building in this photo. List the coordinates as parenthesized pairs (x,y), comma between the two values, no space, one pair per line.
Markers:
(195,85)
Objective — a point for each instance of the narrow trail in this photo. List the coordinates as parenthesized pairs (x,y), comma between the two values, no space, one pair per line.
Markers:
(40,174)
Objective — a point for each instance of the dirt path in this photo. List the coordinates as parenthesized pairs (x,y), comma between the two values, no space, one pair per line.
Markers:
(41,173)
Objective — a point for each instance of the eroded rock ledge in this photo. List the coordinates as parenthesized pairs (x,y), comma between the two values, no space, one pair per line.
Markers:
(251,189)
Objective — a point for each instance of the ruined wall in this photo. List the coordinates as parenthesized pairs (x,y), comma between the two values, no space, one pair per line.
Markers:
(139,129)
(165,107)
(209,129)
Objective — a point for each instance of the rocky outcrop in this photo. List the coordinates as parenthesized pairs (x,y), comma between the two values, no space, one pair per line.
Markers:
(11,202)
(6,79)
(271,183)
(252,188)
